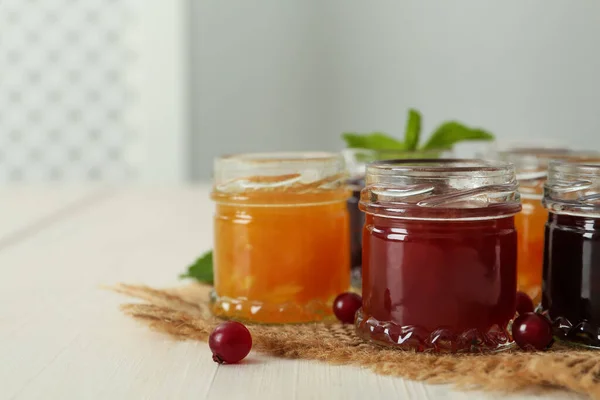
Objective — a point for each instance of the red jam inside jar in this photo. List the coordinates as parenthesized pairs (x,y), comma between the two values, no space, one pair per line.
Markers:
(356,161)
(439,254)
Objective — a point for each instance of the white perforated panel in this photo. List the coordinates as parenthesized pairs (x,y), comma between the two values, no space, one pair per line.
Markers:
(63,92)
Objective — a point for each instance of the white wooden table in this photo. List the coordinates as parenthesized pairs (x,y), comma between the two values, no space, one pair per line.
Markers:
(63,337)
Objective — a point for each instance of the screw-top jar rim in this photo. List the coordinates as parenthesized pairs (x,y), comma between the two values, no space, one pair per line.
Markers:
(440,168)
(589,168)
(531,165)
(276,157)
(453,189)
(280,177)
(573,188)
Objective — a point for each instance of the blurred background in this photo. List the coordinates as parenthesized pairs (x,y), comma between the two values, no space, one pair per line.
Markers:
(149,91)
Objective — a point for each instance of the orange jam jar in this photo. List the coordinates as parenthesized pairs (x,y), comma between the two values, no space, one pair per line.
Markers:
(531,165)
(281,236)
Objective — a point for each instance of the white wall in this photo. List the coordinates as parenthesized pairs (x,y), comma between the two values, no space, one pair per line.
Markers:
(524,69)
(257,69)
(294,74)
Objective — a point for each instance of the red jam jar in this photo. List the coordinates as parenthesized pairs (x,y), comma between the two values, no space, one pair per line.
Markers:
(439,254)
(356,162)
(571,274)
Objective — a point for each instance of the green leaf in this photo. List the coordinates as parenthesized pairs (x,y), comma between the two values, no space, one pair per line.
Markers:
(372,141)
(412,130)
(201,270)
(452,132)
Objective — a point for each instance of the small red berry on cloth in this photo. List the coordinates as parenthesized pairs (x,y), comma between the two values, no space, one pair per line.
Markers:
(230,342)
(345,306)
(532,332)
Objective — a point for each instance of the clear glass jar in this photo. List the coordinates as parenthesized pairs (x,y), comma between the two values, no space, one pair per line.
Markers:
(281,241)
(439,254)
(571,274)
(531,166)
(356,162)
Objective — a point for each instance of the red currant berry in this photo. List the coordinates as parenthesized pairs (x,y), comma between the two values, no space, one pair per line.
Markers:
(524,303)
(346,305)
(230,342)
(532,332)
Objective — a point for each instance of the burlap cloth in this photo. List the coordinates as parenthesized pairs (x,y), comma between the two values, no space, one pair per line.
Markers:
(184,313)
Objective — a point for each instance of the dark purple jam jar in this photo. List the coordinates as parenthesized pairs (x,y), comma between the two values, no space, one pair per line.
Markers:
(571,274)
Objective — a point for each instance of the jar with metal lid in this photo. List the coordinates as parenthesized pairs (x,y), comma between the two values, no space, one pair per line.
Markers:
(439,254)
(281,241)
(571,274)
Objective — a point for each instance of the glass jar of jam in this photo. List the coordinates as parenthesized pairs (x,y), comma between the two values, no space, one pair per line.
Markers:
(439,254)
(531,166)
(281,241)
(356,161)
(571,275)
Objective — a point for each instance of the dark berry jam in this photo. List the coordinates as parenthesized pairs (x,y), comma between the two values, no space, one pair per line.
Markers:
(357,221)
(571,278)
(441,285)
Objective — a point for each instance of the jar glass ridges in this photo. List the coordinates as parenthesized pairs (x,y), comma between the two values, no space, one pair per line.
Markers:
(571,274)
(439,254)
(281,247)
(531,166)
(356,162)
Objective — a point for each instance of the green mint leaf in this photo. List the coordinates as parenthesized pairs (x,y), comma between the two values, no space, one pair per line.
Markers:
(372,141)
(412,130)
(452,132)
(201,270)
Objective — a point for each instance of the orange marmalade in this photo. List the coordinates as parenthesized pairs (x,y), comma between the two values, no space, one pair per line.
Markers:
(530,244)
(281,236)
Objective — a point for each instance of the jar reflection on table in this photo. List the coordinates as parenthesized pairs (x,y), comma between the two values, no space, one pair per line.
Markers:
(281,250)
(571,274)
(356,161)
(439,256)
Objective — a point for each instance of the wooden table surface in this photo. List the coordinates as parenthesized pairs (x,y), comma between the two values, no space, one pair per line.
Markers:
(63,337)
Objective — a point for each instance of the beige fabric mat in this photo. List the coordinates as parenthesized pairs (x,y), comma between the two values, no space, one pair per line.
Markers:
(184,313)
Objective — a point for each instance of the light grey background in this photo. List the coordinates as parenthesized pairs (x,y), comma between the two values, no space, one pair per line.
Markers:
(283,75)
(150,91)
